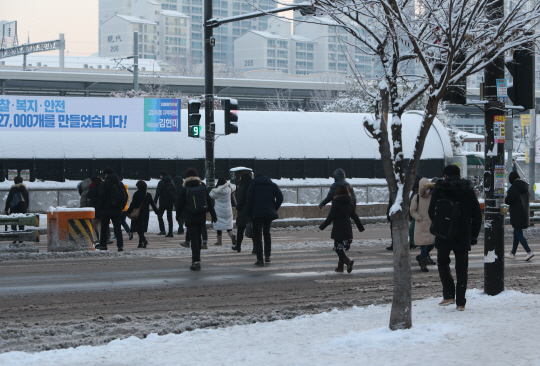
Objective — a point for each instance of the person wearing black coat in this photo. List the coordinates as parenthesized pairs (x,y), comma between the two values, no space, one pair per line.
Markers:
(339,180)
(518,200)
(455,189)
(110,212)
(195,222)
(179,183)
(264,198)
(141,200)
(241,219)
(166,194)
(340,214)
(92,200)
(17,200)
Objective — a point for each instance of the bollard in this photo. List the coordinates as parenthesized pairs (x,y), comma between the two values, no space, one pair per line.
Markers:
(69,229)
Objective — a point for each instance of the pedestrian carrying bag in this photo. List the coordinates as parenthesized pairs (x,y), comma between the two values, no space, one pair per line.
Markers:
(196,199)
(118,196)
(17,198)
(134,215)
(445,223)
(249,230)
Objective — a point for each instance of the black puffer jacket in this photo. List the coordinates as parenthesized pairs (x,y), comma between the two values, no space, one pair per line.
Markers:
(181,204)
(518,200)
(470,220)
(241,198)
(143,200)
(22,206)
(104,200)
(166,192)
(93,200)
(178,184)
(340,214)
(264,198)
(339,177)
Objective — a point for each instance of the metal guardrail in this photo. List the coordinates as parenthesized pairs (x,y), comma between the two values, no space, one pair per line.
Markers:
(31,235)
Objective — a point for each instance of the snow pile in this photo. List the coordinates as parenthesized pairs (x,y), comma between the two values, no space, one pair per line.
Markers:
(487,333)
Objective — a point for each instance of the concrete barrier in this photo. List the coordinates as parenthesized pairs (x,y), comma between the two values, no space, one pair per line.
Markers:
(69,229)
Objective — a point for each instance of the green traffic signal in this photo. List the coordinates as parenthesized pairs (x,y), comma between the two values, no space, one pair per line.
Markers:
(194,131)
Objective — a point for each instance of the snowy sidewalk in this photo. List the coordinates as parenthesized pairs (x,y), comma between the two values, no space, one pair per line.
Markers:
(497,330)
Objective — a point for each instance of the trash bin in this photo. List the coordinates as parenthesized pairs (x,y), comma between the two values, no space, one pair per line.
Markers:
(69,229)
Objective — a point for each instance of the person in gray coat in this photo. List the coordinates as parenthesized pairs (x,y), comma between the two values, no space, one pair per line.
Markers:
(339,180)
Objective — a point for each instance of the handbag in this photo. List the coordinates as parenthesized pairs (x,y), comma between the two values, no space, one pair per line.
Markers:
(134,215)
(16,199)
(249,230)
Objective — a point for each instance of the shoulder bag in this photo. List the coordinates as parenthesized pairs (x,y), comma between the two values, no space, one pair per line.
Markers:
(134,215)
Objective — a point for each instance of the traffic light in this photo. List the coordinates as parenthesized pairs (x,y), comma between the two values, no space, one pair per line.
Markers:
(522,68)
(230,106)
(194,118)
(457,93)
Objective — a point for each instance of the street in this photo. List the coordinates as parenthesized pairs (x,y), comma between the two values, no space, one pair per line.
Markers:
(55,301)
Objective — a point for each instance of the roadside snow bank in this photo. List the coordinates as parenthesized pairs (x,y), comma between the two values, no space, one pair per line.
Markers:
(487,333)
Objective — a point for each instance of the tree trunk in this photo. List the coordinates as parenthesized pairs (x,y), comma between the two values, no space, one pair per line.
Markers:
(401,317)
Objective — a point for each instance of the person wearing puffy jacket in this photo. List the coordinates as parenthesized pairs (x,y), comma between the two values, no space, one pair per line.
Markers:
(166,194)
(518,200)
(419,211)
(340,215)
(222,197)
(17,200)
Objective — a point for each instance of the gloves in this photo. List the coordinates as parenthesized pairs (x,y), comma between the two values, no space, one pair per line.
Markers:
(321,227)
(214,218)
(361,228)
(474,241)
(321,205)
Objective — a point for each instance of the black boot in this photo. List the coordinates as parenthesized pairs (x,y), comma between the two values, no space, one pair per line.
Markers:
(391,247)
(429,261)
(237,248)
(169,235)
(145,243)
(422,263)
(140,243)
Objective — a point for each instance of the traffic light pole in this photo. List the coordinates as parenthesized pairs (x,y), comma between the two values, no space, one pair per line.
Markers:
(210,169)
(495,172)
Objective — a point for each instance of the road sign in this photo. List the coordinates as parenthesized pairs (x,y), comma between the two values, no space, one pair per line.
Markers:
(502,89)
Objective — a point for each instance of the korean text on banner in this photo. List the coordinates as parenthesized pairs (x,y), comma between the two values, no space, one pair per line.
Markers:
(21,113)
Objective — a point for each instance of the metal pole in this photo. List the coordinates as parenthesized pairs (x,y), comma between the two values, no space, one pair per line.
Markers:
(136,61)
(494,175)
(209,95)
(61,53)
(532,156)
(509,144)
(24,62)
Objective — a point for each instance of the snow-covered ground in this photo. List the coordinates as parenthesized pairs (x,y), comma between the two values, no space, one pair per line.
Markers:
(498,330)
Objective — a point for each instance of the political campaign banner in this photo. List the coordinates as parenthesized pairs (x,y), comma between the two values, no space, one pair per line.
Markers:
(24,113)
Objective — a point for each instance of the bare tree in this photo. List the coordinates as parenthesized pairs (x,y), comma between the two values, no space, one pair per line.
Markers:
(436,43)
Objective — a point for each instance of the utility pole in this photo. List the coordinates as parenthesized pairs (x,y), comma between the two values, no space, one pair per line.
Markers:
(210,170)
(61,52)
(136,61)
(532,156)
(494,175)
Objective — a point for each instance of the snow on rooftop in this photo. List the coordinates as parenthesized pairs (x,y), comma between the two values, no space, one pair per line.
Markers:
(262,135)
(299,38)
(268,34)
(133,19)
(172,13)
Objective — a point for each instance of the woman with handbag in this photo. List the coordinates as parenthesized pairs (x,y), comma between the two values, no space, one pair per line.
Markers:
(139,212)
(241,219)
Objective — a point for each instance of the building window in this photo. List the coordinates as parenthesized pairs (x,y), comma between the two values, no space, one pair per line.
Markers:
(270,43)
(271,62)
(342,67)
(310,46)
(282,63)
(332,65)
(300,55)
(283,44)
(300,46)
(283,54)
(271,53)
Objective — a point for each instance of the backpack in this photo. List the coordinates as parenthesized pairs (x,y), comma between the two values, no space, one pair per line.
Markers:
(16,199)
(445,223)
(118,196)
(168,194)
(196,199)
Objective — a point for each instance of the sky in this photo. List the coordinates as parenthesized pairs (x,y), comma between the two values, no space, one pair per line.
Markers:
(44,20)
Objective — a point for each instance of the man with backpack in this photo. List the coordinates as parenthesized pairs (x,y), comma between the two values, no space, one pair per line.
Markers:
(112,198)
(166,193)
(456,220)
(193,203)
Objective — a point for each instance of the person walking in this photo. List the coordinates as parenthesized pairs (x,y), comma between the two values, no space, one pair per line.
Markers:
(264,198)
(518,200)
(17,201)
(339,180)
(142,200)
(83,188)
(111,200)
(166,194)
(419,211)
(340,215)
(241,219)
(193,202)
(452,189)
(178,184)
(92,201)
(223,207)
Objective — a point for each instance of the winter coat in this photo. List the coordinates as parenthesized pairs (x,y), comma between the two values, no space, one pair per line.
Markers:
(93,200)
(104,198)
(126,207)
(83,188)
(470,219)
(518,200)
(264,198)
(340,214)
(166,192)
(178,184)
(222,197)
(241,198)
(142,199)
(419,211)
(339,177)
(181,204)
(22,206)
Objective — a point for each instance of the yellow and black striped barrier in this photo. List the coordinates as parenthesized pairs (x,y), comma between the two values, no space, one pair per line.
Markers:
(80,232)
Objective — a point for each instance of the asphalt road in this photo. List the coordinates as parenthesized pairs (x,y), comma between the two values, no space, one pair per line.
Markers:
(73,291)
